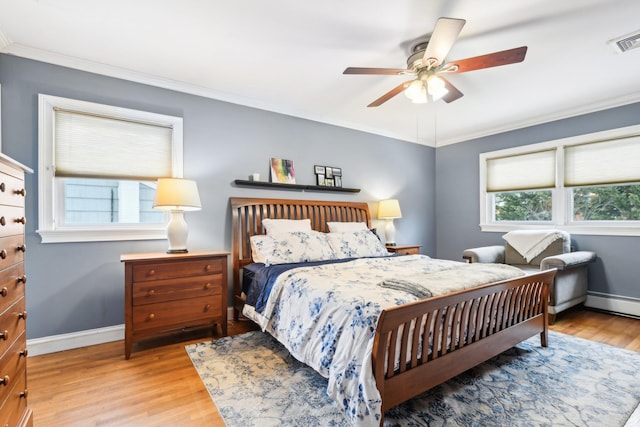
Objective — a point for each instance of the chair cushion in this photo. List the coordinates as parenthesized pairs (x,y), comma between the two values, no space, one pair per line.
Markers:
(558,246)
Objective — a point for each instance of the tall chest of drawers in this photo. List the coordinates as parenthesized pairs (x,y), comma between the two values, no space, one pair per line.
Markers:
(13,314)
(165,293)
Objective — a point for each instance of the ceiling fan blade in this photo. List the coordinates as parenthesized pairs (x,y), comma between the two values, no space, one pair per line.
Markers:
(453,92)
(444,35)
(387,96)
(510,56)
(383,71)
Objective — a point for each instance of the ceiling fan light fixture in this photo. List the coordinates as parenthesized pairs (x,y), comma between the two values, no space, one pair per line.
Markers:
(416,92)
(436,87)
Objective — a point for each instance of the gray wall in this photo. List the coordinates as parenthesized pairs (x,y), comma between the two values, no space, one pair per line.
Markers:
(79,286)
(457,199)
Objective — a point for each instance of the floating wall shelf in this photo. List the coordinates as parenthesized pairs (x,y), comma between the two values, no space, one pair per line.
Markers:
(294,187)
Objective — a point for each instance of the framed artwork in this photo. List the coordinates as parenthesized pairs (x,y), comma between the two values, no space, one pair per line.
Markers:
(328,176)
(282,171)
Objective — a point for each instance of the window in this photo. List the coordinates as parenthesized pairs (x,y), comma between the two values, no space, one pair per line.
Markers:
(98,166)
(588,184)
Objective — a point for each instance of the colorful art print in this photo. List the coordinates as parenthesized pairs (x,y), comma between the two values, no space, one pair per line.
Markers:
(282,171)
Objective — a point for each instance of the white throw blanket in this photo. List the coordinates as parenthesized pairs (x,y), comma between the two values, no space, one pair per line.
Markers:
(530,243)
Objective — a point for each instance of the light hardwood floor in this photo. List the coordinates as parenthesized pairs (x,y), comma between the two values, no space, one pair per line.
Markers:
(158,386)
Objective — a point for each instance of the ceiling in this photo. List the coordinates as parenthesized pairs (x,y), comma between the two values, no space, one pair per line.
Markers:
(288,56)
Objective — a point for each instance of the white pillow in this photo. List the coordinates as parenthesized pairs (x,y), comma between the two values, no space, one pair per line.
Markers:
(343,227)
(289,247)
(356,244)
(275,226)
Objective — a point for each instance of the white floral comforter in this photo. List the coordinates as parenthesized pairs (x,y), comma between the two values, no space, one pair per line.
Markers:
(327,315)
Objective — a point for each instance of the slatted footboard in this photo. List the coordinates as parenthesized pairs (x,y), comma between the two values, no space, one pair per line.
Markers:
(462,330)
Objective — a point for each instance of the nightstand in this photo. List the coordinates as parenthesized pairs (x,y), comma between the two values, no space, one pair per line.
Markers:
(404,249)
(166,293)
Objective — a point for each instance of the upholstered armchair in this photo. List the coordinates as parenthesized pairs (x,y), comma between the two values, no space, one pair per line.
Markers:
(541,250)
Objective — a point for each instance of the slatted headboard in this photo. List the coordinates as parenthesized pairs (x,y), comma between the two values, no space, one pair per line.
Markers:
(246,220)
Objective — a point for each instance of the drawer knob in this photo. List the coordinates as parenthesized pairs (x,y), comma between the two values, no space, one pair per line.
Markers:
(24,353)
(21,220)
(22,192)
(3,187)
(22,315)
(151,316)
(4,291)
(4,335)
(207,307)
(3,221)
(5,380)
(3,254)
(207,285)
(151,292)
(208,267)
(24,393)
(22,279)
(22,248)
(151,273)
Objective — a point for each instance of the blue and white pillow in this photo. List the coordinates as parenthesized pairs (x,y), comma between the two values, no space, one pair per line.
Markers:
(290,247)
(356,244)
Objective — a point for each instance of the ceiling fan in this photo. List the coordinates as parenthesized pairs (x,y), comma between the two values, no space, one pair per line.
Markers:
(426,63)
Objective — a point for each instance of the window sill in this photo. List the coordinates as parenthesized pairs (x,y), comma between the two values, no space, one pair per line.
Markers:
(596,230)
(96,235)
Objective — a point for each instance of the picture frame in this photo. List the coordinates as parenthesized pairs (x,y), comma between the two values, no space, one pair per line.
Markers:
(282,171)
(328,176)
(328,172)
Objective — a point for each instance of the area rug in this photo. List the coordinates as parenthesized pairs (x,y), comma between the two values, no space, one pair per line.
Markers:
(253,381)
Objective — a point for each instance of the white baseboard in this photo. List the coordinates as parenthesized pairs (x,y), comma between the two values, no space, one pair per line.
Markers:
(54,343)
(614,304)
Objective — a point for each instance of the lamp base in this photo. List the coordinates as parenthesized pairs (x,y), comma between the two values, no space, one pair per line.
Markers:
(177,251)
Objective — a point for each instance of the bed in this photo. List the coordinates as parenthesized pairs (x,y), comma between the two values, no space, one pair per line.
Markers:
(409,343)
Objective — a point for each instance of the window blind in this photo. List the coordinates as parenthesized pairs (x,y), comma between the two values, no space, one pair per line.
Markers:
(92,146)
(604,162)
(522,172)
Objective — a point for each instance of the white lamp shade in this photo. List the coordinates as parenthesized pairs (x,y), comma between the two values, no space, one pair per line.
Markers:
(388,209)
(177,194)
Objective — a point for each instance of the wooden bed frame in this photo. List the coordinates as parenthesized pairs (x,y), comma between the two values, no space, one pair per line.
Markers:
(463,328)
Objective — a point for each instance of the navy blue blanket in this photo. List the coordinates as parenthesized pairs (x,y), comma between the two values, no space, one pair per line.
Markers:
(258,279)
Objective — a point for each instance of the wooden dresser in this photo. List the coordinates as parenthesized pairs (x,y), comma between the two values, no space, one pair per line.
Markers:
(404,249)
(165,293)
(13,315)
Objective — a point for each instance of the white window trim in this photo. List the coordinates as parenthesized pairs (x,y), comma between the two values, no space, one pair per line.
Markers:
(561,196)
(49,231)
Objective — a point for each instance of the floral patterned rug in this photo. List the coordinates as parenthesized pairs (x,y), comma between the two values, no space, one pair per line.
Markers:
(255,382)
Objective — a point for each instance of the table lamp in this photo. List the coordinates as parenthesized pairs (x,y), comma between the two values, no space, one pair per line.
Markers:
(389,209)
(177,195)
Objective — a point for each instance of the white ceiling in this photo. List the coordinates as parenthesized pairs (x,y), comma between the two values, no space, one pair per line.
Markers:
(288,56)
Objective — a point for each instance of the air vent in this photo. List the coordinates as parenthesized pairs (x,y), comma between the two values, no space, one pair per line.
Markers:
(627,42)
